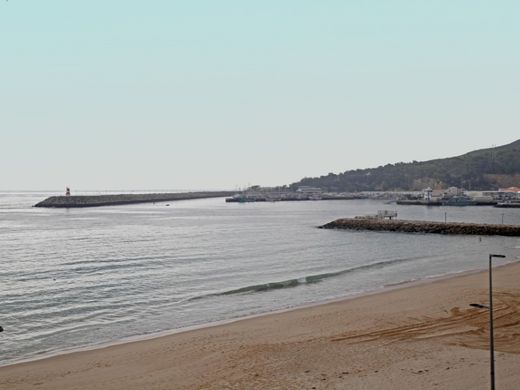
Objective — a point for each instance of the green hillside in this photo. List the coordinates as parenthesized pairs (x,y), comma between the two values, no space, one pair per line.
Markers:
(483,169)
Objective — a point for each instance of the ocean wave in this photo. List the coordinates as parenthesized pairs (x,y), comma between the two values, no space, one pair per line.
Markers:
(310,279)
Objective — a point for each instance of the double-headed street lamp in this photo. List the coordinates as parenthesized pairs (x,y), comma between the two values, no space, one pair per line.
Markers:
(490,308)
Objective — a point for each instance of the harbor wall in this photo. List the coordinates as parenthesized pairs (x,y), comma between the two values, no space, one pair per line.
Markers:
(407,226)
(122,199)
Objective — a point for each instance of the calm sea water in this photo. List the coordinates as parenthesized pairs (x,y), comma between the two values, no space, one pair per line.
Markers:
(81,277)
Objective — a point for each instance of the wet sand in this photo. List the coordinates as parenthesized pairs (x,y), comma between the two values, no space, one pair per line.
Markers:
(421,336)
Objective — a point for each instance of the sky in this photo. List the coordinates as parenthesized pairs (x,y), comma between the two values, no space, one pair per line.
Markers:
(166,94)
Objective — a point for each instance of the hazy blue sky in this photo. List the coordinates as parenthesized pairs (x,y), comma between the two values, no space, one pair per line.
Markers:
(218,94)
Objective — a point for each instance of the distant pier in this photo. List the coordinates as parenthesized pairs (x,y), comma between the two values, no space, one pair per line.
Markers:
(122,199)
(407,226)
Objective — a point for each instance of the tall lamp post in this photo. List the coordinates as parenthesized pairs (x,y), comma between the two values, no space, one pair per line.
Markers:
(491,333)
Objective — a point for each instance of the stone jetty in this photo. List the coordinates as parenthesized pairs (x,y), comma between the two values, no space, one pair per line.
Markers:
(121,199)
(407,226)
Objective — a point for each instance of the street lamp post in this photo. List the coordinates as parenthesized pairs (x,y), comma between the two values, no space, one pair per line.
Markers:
(491,333)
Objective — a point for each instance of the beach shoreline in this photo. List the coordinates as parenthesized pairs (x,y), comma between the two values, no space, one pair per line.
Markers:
(234,333)
(206,325)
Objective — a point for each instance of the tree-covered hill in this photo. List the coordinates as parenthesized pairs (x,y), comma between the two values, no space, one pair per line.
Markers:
(483,169)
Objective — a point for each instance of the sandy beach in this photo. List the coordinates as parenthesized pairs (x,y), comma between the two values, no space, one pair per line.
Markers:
(421,336)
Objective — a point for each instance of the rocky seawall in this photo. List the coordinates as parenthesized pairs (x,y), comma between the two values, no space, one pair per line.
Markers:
(121,199)
(407,226)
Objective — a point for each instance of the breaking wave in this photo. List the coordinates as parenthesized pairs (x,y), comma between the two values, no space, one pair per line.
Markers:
(310,279)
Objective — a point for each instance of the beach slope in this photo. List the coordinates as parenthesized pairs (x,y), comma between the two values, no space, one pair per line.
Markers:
(423,336)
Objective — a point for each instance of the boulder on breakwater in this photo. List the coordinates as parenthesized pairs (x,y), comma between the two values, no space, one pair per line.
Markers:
(121,199)
(408,226)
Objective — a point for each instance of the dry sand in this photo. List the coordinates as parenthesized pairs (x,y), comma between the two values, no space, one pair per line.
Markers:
(415,337)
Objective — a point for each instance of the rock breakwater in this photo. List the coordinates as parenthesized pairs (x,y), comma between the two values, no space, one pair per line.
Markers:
(121,199)
(408,226)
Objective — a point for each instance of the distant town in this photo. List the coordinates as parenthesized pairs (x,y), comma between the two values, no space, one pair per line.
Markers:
(452,196)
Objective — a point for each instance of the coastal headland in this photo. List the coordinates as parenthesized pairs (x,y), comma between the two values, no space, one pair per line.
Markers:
(416,336)
(122,199)
(407,226)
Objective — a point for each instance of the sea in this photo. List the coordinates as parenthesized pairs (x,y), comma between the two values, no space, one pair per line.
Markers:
(81,278)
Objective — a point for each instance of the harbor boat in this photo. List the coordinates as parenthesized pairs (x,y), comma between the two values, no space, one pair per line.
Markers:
(461,200)
(244,198)
(509,204)
(418,202)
